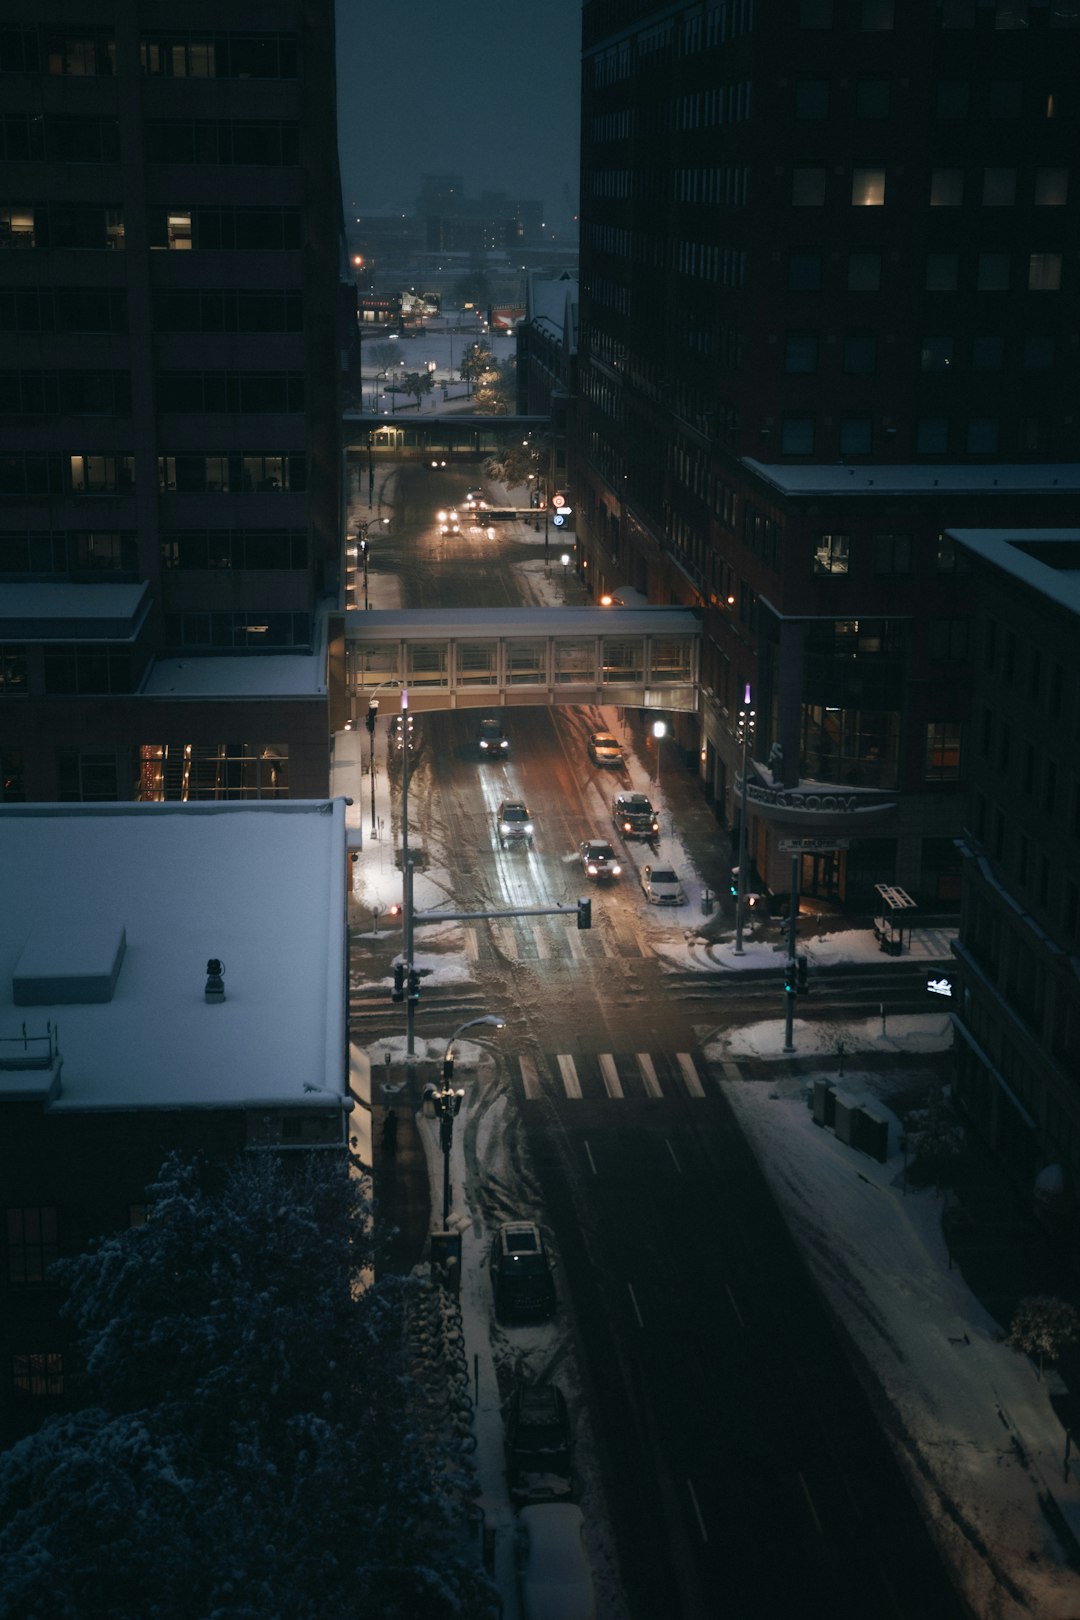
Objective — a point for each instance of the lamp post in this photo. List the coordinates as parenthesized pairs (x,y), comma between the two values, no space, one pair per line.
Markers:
(746,725)
(448,1103)
(375,395)
(565,560)
(659,731)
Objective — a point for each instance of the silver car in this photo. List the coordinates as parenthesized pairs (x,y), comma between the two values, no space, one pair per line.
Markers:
(514,823)
(662,887)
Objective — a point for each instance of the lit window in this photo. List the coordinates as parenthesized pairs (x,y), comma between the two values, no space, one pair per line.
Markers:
(943,739)
(832,554)
(1044,272)
(16,227)
(868,188)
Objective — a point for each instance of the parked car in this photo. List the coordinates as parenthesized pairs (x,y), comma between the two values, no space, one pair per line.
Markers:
(514,823)
(538,1444)
(634,816)
(556,1581)
(604,749)
(521,1279)
(662,886)
(491,739)
(599,860)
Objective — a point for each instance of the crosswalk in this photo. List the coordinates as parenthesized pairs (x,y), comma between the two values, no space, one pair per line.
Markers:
(616,1076)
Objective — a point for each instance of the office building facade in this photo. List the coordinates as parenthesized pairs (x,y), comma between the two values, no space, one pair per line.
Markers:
(172,313)
(828,292)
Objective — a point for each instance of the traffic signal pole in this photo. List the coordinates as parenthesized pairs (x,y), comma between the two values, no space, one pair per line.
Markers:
(791,971)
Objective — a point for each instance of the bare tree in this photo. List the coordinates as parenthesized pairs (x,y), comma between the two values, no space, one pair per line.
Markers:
(1044,1326)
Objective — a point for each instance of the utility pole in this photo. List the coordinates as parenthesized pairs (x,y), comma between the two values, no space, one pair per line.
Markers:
(746,725)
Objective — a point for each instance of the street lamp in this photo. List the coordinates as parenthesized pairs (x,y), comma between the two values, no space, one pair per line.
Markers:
(448,1103)
(565,560)
(659,731)
(375,395)
(746,726)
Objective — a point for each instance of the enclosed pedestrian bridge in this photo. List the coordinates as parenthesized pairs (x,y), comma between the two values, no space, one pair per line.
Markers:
(457,658)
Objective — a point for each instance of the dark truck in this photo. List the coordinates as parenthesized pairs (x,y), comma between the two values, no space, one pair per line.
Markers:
(634,816)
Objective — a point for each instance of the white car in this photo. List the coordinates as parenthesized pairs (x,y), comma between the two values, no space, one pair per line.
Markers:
(556,1581)
(662,886)
(514,823)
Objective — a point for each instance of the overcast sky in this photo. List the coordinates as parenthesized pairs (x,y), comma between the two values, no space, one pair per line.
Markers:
(488,89)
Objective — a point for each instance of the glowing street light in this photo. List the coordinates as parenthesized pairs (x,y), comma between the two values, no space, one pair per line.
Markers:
(448,1102)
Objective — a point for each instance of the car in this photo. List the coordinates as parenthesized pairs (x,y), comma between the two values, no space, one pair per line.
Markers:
(634,816)
(599,860)
(449,523)
(514,822)
(662,886)
(474,499)
(556,1581)
(538,1444)
(491,739)
(604,749)
(521,1279)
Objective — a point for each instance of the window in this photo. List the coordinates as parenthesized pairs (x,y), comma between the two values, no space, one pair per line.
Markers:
(864,272)
(953,98)
(876,15)
(1038,353)
(1005,98)
(932,436)
(946,188)
(987,353)
(1051,188)
(953,559)
(892,555)
(797,436)
(856,436)
(999,188)
(872,97)
(32,1243)
(801,354)
(832,554)
(804,272)
(1049,793)
(812,98)
(948,640)
(868,188)
(1044,272)
(936,353)
(89,54)
(38,1373)
(815,13)
(982,436)
(942,272)
(102,475)
(17,226)
(943,739)
(860,354)
(993,272)
(89,669)
(807,187)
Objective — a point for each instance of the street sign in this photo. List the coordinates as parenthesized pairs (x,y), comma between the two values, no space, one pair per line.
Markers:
(558,499)
(813,846)
(938,984)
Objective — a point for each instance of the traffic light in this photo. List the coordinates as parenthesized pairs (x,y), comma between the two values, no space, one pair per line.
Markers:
(800,979)
(398,992)
(790,985)
(414,985)
(584,913)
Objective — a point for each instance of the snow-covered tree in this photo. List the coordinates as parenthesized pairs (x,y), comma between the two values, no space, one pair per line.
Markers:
(1044,1326)
(253,1450)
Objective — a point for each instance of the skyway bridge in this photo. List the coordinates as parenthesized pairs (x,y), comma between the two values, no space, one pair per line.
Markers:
(458,435)
(454,658)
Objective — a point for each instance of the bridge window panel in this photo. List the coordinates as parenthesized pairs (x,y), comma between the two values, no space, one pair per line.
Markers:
(671,660)
(370,664)
(428,663)
(526,663)
(575,662)
(477,663)
(623,660)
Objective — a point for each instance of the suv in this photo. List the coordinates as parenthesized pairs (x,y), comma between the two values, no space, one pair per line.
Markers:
(492,739)
(514,822)
(634,816)
(521,1279)
(598,860)
(538,1445)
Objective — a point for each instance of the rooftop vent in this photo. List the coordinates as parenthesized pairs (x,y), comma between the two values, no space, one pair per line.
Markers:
(67,961)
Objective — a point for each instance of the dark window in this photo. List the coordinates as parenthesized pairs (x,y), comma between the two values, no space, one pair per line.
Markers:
(872,98)
(1006,98)
(948,640)
(987,353)
(864,272)
(856,436)
(1039,353)
(860,354)
(936,353)
(804,272)
(812,98)
(801,354)
(38,1374)
(32,1243)
(892,554)
(953,98)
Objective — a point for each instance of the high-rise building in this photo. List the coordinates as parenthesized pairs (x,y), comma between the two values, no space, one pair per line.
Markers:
(172,310)
(829,298)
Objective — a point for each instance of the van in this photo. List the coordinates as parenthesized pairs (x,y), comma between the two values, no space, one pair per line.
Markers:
(521,1279)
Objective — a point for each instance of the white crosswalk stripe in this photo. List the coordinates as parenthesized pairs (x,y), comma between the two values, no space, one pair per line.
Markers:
(615,1077)
(568,1070)
(529,1077)
(688,1070)
(612,1083)
(647,1070)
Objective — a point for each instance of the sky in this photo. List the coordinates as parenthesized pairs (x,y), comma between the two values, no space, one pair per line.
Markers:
(489,90)
(978,1438)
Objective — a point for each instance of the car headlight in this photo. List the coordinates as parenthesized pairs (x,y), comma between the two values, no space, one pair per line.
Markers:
(616,870)
(591,869)
(483,744)
(503,827)
(528,828)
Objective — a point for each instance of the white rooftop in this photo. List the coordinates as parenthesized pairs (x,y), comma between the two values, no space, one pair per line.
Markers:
(261,887)
(1045,560)
(260,675)
(911,478)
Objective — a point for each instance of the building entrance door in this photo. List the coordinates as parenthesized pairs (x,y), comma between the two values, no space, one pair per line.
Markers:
(822,875)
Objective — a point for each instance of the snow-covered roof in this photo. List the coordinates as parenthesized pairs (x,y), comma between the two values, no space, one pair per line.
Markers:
(416,624)
(1046,560)
(910,478)
(274,675)
(40,610)
(130,902)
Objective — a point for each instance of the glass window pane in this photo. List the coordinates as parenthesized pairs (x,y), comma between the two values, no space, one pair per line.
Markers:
(868,188)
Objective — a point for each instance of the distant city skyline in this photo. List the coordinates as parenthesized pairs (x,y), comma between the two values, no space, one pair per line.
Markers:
(489,91)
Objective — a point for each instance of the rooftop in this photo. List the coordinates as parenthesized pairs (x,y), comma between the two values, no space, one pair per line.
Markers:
(909,478)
